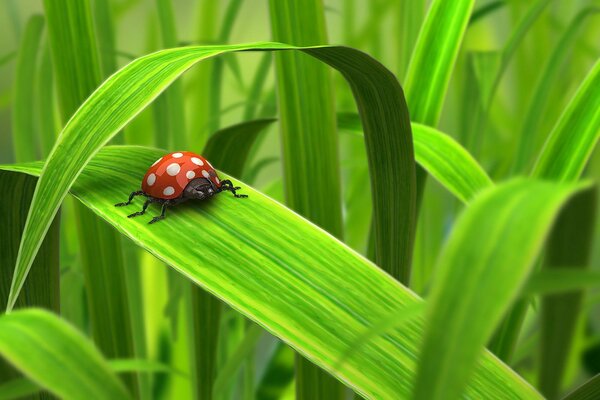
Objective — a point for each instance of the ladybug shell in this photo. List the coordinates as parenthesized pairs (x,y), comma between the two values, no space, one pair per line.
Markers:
(170,174)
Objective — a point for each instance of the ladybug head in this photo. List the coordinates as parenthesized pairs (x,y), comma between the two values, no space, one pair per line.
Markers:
(200,189)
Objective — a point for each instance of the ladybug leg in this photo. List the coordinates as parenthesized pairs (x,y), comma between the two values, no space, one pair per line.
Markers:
(135,214)
(131,196)
(162,212)
(227,185)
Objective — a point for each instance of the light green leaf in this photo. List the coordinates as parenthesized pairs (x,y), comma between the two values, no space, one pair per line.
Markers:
(575,135)
(57,357)
(128,91)
(228,149)
(441,156)
(290,277)
(434,57)
(492,248)
(560,280)
(24,128)
(590,390)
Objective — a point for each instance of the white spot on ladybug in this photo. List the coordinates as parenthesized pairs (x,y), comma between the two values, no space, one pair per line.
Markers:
(173,169)
(156,162)
(205,174)
(190,174)
(169,190)
(197,161)
(217,180)
(177,155)
(151,179)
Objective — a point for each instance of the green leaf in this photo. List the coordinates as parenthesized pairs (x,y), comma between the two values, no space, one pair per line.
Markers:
(569,245)
(128,91)
(290,277)
(22,387)
(42,287)
(77,70)
(309,147)
(24,128)
(574,136)
(529,132)
(590,390)
(228,148)
(560,280)
(479,275)
(434,57)
(441,156)
(57,357)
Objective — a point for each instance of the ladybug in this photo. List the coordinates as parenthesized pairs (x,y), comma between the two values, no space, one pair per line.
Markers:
(177,177)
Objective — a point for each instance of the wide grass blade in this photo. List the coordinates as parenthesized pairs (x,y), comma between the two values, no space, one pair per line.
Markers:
(434,57)
(57,357)
(590,390)
(441,156)
(42,287)
(528,136)
(478,277)
(574,136)
(290,277)
(228,149)
(24,127)
(77,69)
(560,280)
(309,143)
(570,245)
(127,92)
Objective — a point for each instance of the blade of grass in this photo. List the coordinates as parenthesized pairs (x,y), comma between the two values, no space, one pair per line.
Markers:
(206,23)
(560,280)
(408,22)
(485,10)
(244,350)
(479,276)
(442,157)
(42,288)
(173,97)
(24,129)
(23,387)
(569,246)
(258,83)
(285,273)
(216,80)
(529,131)
(228,149)
(47,120)
(76,65)
(279,374)
(575,134)
(590,390)
(56,356)
(309,143)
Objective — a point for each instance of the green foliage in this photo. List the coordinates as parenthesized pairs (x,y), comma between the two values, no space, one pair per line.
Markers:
(56,356)
(284,275)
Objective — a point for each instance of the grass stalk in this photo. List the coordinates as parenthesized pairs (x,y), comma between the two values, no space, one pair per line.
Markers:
(77,70)
(309,146)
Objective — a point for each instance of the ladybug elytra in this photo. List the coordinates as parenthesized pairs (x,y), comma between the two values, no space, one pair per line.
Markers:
(177,177)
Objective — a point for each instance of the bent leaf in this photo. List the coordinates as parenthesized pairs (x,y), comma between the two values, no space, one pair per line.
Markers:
(441,156)
(492,248)
(289,276)
(56,356)
(121,97)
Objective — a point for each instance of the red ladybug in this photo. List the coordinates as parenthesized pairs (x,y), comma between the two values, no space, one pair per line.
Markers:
(177,177)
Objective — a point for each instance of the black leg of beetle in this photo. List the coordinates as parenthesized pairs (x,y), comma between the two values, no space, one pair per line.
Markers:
(162,212)
(131,196)
(135,214)
(227,185)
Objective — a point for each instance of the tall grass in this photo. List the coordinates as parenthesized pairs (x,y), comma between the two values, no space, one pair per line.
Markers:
(497,102)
